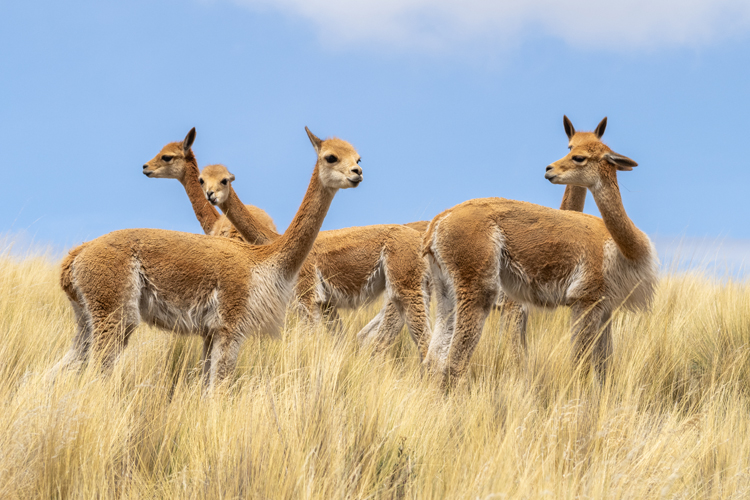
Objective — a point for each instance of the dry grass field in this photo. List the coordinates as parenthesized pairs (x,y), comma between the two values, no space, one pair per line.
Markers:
(313,416)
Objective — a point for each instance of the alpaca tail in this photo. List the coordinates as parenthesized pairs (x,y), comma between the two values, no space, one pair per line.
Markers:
(66,272)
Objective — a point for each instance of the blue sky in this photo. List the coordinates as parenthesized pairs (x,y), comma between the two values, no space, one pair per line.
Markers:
(444,100)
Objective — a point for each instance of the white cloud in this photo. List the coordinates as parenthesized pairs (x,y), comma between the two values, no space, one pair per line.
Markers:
(442,24)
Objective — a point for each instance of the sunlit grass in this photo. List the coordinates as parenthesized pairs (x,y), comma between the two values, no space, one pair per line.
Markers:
(313,416)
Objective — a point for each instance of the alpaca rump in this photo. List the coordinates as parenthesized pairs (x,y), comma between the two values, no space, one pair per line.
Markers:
(220,289)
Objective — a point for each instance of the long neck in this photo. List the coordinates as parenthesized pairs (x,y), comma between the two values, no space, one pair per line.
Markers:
(574,198)
(204,211)
(253,231)
(630,240)
(291,249)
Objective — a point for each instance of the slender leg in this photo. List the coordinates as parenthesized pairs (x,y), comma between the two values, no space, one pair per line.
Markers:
(586,319)
(81,346)
(473,309)
(332,318)
(416,311)
(206,359)
(514,320)
(445,320)
(390,325)
(224,352)
(111,336)
(603,347)
(371,328)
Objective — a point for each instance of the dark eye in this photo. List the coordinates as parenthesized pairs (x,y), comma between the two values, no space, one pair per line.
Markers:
(331,159)
(201,180)
(579,159)
(224,182)
(167,158)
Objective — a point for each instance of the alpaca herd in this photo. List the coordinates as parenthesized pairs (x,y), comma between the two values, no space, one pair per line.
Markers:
(240,277)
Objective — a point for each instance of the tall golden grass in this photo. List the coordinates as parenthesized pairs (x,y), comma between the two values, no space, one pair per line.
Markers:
(313,416)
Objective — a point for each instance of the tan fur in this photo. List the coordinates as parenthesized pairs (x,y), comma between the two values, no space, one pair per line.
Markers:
(540,256)
(221,289)
(348,268)
(420,226)
(177,161)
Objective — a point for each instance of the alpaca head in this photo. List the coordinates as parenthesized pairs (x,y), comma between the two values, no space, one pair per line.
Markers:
(338,162)
(170,163)
(590,160)
(216,182)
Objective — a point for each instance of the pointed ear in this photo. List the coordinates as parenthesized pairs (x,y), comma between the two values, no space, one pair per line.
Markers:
(599,132)
(231,177)
(569,130)
(314,139)
(621,162)
(188,142)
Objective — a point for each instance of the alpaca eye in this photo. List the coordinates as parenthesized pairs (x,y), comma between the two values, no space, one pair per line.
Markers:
(167,158)
(201,180)
(224,182)
(579,159)
(331,159)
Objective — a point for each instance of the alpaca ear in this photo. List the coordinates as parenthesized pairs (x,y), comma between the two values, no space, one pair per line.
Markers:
(569,130)
(599,132)
(314,140)
(188,142)
(620,162)
(231,177)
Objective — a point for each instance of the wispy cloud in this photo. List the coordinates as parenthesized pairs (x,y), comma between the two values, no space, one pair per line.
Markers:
(441,24)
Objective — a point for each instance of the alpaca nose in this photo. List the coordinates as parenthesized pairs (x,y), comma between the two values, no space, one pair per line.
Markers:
(549,167)
(145,166)
(357,170)
(210,194)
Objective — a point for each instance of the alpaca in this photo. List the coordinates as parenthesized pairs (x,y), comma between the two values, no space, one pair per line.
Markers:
(218,288)
(347,268)
(176,160)
(540,256)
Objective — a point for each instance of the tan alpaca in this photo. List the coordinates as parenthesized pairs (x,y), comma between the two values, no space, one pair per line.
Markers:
(540,256)
(347,268)
(177,161)
(219,288)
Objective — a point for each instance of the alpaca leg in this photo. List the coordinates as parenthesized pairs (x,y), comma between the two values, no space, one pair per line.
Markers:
(416,310)
(603,347)
(81,345)
(110,339)
(514,320)
(224,352)
(445,321)
(472,311)
(365,335)
(586,319)
(374,331)
(206,359)
(388,328)
(332,319)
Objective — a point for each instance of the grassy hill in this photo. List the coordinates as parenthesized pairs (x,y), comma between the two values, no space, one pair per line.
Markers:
(313,416)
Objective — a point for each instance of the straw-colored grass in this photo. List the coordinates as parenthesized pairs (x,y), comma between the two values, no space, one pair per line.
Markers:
(313,416)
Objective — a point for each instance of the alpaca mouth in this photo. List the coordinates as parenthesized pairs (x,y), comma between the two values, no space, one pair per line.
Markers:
(354,181)
(550,177)
(147,174)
